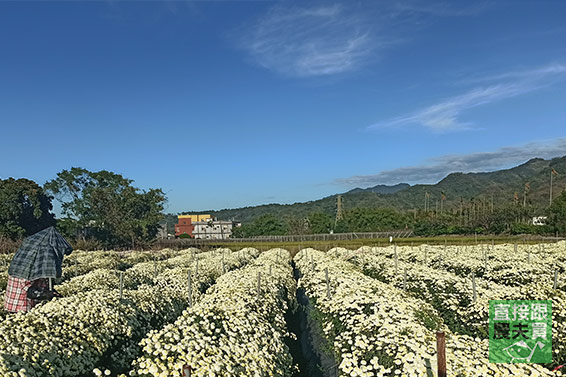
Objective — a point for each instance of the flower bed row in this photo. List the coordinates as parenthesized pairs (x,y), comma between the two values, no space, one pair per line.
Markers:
(233,330)
(157,272)
(82,262)
(497,263)
(72,335)
(452,295)
(375,329)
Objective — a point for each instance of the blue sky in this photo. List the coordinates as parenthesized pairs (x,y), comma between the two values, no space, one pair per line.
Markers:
(233,103)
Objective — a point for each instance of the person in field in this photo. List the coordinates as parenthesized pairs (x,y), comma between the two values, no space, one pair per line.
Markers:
(32,270)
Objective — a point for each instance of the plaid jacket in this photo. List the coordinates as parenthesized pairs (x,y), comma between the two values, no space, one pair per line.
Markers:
(40,256)
(16,294)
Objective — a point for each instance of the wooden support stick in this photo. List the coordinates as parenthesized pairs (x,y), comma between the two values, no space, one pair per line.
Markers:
(396,258)
(121,284)
(474,286)
(190,290)
(50,284)
(312,263)
(327,283)
(441,353)
(258,285)
(555,285)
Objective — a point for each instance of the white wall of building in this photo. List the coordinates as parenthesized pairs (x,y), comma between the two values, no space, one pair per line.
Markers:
(214,230)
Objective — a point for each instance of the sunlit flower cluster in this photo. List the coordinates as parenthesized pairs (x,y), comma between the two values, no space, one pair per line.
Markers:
(233,330)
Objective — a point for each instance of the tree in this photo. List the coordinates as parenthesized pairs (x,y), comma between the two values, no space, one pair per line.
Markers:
(557,210)
(320,223)
(24,208)
(297,225)
(372,220)
(106,206)
(265,225)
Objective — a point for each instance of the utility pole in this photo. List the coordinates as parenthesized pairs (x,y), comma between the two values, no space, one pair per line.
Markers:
(339,209)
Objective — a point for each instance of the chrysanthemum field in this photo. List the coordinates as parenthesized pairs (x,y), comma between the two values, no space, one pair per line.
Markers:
(373,311)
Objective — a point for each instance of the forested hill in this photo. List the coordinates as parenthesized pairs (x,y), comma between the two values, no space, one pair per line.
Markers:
(459,189)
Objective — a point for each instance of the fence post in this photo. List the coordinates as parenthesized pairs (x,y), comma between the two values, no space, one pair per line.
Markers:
(441,353)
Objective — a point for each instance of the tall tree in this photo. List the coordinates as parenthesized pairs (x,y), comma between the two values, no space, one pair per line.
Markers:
(320,223)
(108,205)
(24,208)
(558,213)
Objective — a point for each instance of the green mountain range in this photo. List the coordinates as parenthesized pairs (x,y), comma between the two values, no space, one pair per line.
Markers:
(497,188)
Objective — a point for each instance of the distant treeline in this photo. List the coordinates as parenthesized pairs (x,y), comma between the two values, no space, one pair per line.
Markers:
(481,218)
(104,210)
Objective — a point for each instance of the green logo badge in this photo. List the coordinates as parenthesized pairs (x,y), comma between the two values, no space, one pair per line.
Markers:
(520,331)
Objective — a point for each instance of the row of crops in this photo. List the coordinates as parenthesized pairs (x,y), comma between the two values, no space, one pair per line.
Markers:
(99,325)
(381,322)
(375,310)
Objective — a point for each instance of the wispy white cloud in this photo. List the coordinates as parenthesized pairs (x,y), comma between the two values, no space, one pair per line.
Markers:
(445,116)
(320,40)
(437,168)
(315,41)
(442,9)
